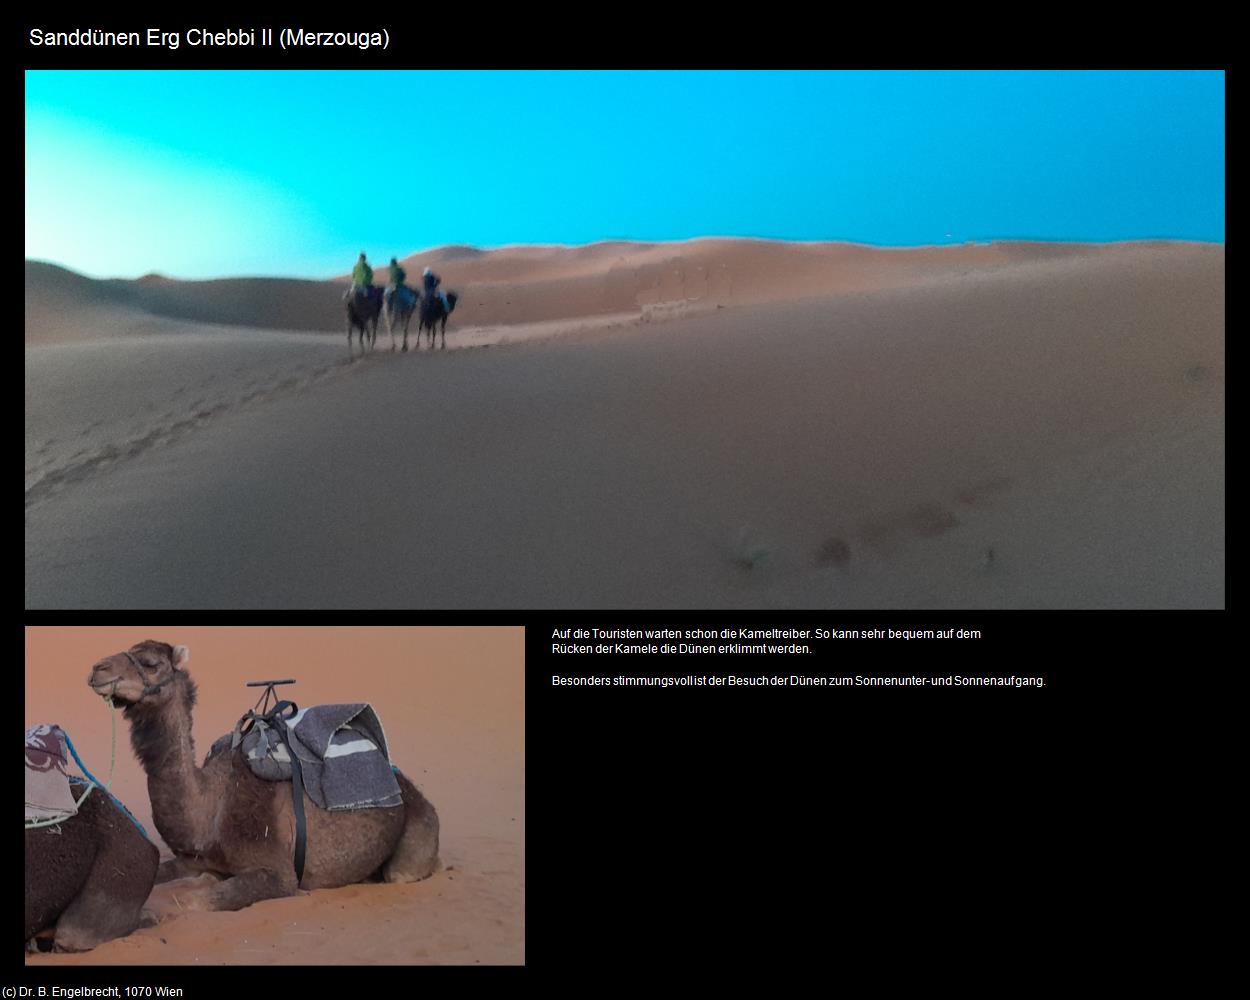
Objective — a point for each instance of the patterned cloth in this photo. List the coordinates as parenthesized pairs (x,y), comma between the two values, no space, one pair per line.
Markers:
(48,794)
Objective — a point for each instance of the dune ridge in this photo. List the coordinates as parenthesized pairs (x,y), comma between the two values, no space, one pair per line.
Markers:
(524,284)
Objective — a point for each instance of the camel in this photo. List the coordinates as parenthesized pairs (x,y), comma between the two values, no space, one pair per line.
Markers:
(363,312)
(88,876)
(223,820)
(400,312)
(432,311)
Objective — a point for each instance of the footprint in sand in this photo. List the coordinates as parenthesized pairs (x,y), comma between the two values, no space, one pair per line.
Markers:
(929,520)
(979,494)
(833,551)
(925,520)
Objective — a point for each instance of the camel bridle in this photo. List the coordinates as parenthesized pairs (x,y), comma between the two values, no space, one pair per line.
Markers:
(148,688)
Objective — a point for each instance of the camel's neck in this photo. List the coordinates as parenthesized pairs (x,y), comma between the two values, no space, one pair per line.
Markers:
(163,743)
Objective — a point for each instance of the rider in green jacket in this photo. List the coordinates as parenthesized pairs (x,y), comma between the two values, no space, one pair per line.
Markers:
(397,274)
(397,280)
(362,274)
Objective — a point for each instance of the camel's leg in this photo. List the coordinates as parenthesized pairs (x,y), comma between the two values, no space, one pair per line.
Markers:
(81,929)
(416,857)
(107,906)
(444,340)
(174,868)
(250,887)
(168,899)
(349,340)
(390,325)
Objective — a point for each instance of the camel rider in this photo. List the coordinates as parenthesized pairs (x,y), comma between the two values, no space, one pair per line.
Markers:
(362,276)
(431,281)
(397,280)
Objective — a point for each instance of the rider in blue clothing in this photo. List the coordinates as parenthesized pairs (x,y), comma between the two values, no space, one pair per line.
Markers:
(431,281)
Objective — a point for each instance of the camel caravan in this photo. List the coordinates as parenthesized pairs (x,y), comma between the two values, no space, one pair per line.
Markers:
(397,303)
(290,800)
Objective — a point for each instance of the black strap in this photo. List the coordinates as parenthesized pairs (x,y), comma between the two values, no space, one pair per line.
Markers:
(301,829)
(297,784)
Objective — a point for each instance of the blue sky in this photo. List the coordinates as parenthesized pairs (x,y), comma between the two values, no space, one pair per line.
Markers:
(205,174)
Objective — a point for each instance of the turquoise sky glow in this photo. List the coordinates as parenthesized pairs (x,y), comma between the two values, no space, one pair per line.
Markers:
(204,174)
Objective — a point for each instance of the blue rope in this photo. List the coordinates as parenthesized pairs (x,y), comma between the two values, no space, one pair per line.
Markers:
(98,784)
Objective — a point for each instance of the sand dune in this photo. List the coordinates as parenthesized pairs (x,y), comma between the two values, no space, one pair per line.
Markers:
(515,285)
(713,423)
(64,306)
(452,704)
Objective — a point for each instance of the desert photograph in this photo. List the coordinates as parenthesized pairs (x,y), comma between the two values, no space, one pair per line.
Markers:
(608,339)
(189,851)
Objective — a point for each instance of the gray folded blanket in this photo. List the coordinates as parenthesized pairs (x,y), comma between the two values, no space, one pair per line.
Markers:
(344,761)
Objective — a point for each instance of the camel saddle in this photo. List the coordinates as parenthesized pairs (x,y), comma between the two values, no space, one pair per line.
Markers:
(407,297)
(341,752)
(48,794)
(336,754)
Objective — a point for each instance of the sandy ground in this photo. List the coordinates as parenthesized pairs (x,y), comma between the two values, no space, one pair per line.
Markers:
(719,423)
(452,703)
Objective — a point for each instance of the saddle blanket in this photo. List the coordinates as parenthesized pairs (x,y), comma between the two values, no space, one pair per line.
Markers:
(344,761)
(48,794)
(407,297)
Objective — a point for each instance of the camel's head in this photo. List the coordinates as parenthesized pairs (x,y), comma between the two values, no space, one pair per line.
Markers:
(144,675)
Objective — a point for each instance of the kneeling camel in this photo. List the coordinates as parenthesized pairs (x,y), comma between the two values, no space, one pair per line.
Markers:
(224,820)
